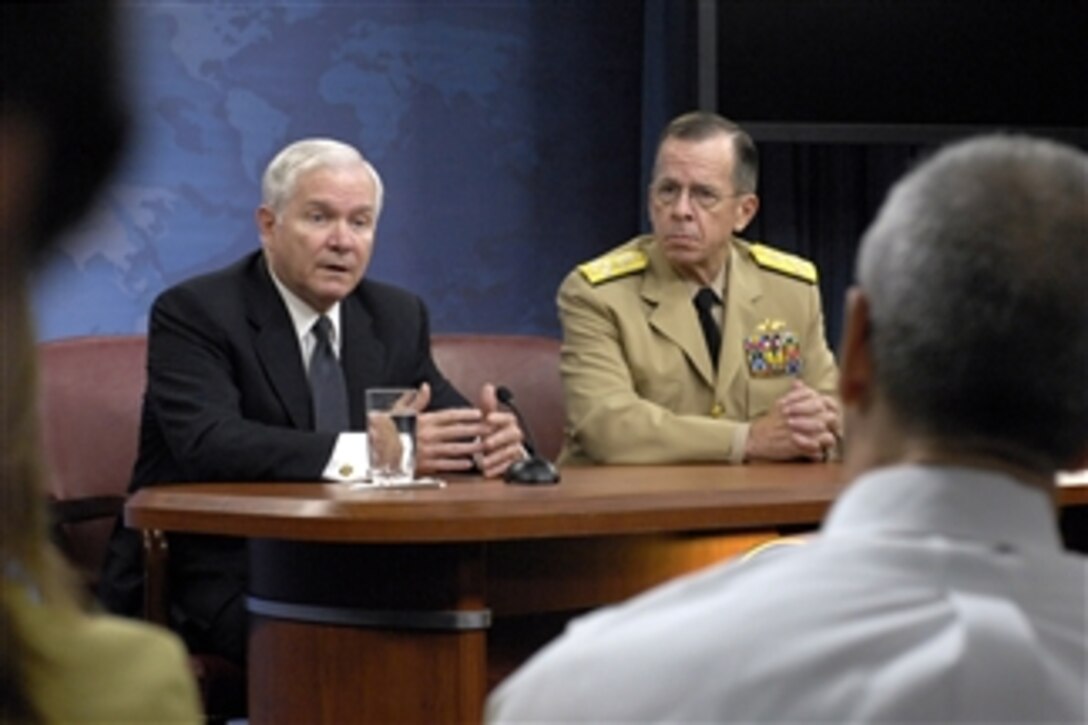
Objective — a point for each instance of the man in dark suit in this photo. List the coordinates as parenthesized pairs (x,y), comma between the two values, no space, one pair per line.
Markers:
(231,355)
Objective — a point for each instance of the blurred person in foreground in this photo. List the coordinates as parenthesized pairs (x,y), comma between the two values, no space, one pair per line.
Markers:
(938,590)
(61,128)
(691,344)
(232,390)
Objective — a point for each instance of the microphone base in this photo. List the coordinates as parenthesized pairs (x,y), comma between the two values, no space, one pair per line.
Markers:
(532,471)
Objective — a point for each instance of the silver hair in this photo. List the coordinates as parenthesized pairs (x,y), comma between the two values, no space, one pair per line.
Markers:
(976,269)
(305,155)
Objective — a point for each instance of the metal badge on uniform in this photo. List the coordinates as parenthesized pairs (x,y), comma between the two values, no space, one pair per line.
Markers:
(773,351)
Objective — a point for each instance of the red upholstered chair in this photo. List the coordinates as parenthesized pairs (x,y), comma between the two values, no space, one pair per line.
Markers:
(91,392)
(90,412)
(527,365)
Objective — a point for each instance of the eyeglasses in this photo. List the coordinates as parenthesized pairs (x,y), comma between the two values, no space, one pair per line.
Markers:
(667,193)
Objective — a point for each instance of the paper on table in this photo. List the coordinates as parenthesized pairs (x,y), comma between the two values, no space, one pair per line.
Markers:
(368,485)
(1073,478)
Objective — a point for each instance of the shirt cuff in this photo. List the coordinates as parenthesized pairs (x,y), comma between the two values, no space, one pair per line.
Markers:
(740,442)
(349,459)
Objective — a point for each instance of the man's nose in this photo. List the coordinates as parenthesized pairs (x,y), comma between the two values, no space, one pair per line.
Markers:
(341,236)
(681,208)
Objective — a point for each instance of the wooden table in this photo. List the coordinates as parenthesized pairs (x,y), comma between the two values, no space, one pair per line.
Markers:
(408,605)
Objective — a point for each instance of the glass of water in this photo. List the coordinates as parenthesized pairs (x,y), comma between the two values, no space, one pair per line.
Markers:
(391,434)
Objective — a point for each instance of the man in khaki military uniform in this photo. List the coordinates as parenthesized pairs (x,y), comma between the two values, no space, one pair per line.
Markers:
(641,383)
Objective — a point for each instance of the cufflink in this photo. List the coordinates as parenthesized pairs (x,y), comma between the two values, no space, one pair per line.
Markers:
(346,470)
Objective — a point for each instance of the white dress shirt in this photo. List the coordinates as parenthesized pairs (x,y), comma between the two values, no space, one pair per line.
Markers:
(349,460)
(932,595)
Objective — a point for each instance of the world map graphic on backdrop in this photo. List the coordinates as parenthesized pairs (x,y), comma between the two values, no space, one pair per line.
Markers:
(430,93)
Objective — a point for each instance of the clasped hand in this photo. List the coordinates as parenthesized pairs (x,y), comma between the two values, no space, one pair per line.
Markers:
(803,423)
(455,439)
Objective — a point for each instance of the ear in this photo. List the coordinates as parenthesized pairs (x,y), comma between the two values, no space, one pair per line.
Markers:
(266,221)
(748,205)
(856,373)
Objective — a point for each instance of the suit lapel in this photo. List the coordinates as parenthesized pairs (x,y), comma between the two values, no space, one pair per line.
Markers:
(673,314)
(277,346)
(362,355)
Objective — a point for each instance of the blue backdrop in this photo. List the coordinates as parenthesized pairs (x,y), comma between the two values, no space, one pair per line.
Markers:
(508,135)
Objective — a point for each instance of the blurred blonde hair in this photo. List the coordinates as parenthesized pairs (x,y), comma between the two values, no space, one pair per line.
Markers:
(28,557)
(29,564)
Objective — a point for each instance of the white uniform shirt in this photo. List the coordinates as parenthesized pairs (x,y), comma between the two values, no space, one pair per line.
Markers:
(932,595)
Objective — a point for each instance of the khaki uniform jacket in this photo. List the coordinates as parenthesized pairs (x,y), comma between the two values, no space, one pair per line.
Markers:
(639,383)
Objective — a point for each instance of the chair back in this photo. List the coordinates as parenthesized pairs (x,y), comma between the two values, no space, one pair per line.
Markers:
(527,365)
(91,391)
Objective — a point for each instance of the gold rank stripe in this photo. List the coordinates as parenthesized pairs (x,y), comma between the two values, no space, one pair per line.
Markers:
(788,264)
(611,266)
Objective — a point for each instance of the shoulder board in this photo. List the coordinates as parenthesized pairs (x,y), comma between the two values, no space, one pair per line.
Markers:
(784,263)
(612,266)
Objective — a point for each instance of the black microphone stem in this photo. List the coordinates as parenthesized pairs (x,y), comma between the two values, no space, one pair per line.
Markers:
(535,469)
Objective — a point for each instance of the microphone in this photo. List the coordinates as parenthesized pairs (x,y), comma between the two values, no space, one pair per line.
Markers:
(535,469)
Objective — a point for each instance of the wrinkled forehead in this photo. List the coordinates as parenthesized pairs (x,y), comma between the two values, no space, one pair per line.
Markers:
(708,160)
(348,186)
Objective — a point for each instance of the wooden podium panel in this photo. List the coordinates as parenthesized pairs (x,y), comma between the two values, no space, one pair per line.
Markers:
(311,673)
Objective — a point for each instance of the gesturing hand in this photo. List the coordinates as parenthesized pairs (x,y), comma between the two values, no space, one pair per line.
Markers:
(456,438)
(502,441)
(446,440)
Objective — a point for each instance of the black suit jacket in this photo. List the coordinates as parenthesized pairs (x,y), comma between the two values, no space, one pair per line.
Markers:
(228,400)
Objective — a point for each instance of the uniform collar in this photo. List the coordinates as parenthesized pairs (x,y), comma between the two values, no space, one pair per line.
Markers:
(717,284)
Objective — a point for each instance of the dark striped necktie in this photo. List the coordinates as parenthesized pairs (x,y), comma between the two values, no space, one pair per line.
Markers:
(327,385)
